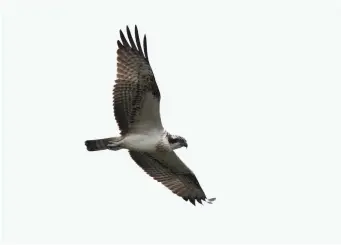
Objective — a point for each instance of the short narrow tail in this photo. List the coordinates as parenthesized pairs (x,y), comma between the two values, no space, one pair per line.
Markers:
(99,144)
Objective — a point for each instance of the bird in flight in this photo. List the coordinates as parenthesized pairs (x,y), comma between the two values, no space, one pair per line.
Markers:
(136,101)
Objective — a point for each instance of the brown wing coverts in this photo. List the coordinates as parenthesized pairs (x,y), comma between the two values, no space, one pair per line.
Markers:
(134,78)
(183,184)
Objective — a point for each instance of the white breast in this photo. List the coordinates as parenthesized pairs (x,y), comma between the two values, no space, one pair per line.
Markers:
(142,142)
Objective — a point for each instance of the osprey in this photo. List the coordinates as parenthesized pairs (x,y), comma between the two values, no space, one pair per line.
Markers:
(136,101)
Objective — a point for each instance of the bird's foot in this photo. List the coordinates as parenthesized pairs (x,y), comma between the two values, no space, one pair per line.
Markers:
(210,200)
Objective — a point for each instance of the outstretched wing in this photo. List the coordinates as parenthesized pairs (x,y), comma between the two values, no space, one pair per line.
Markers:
(136,94)
(168,169)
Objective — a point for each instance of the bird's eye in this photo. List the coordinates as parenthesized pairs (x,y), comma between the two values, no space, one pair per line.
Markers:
(172,140)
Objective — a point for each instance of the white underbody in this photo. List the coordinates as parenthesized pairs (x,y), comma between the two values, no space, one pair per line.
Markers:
(144,142)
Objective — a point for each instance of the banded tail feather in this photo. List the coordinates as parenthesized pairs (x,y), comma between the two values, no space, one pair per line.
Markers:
(100,144)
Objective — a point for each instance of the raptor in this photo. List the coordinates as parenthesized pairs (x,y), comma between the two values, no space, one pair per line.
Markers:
(136,101)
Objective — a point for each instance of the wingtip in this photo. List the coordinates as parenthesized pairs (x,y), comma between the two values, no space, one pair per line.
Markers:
(192,201)
(136,32)
(127,27)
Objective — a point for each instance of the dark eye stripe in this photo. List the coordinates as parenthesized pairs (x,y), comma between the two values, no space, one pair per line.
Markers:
(175,139)
(172,141)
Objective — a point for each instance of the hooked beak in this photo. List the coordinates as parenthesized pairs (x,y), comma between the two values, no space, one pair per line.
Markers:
(185,145)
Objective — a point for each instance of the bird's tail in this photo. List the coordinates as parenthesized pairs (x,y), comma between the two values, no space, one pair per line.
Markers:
(100,144)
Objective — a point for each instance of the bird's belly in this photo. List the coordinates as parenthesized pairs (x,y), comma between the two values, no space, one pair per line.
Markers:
(141,142)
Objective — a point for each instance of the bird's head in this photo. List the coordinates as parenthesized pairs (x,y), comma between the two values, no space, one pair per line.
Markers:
(176,141)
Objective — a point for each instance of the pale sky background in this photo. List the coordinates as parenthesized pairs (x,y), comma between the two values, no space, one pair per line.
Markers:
(254,87)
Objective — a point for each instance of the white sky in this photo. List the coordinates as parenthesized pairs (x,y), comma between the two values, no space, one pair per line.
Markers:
(254,87)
